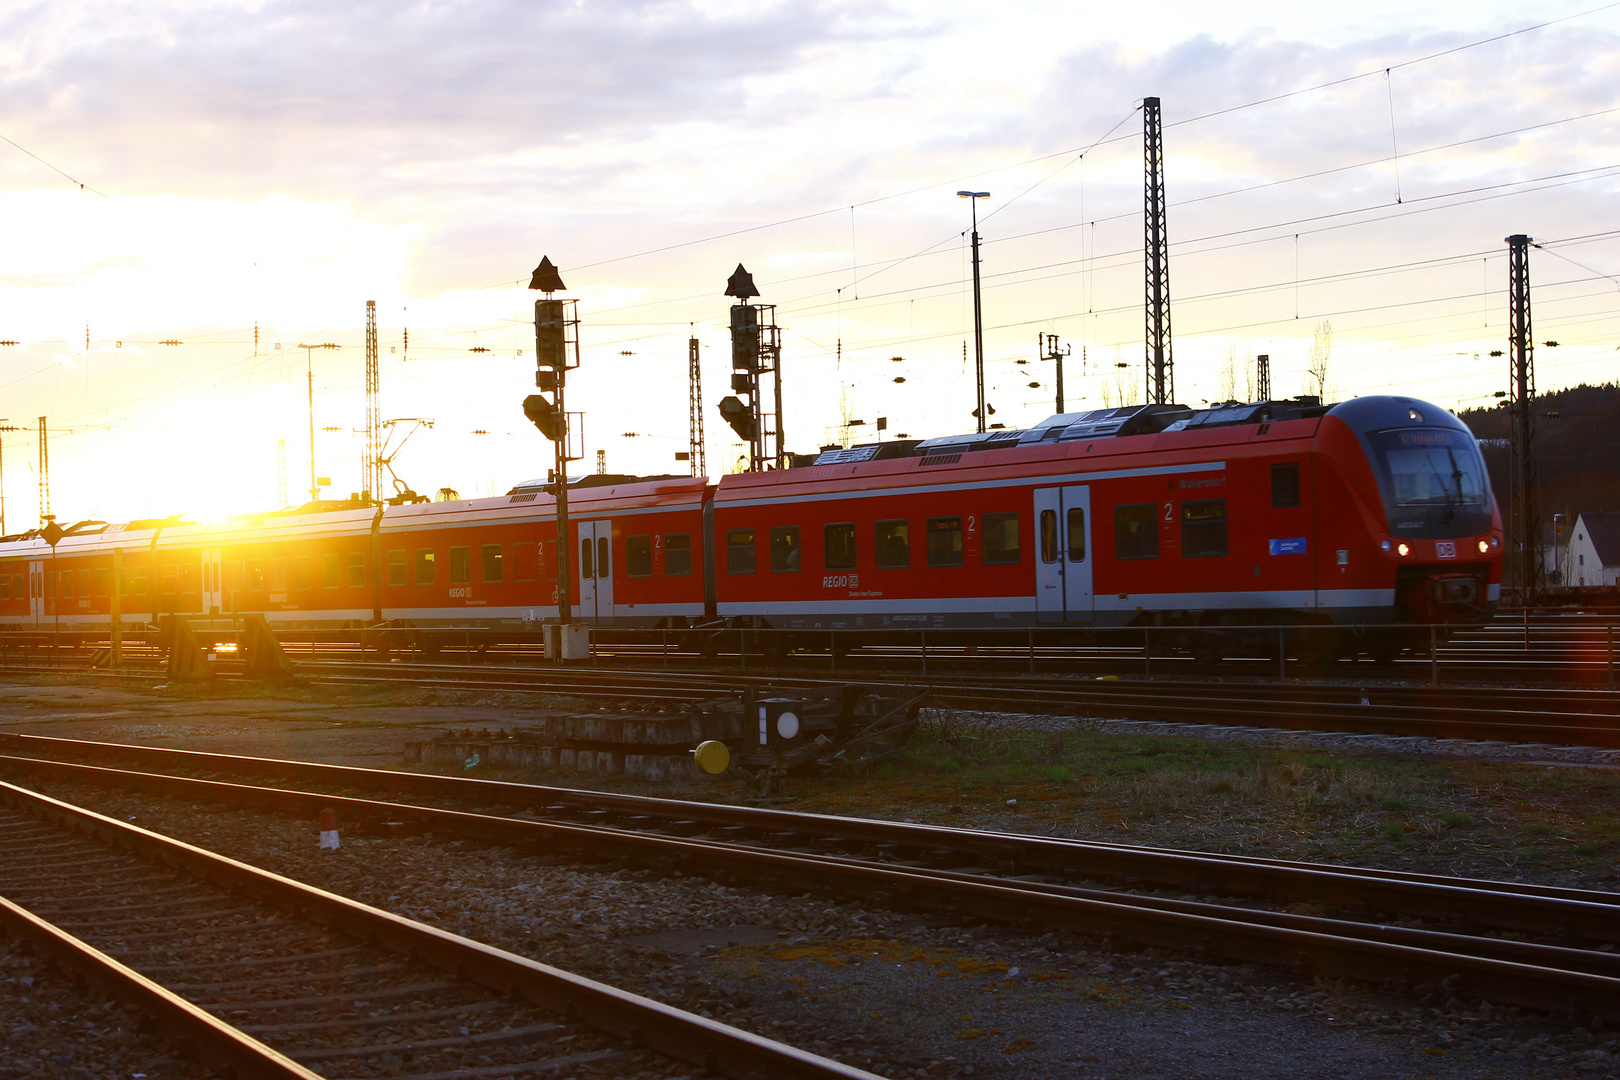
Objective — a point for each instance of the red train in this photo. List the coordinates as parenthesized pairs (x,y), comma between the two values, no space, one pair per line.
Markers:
(1375,514)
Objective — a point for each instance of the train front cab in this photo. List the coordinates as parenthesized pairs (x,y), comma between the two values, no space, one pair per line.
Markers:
(1417,498)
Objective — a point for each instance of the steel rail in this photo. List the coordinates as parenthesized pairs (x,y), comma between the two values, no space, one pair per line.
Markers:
(1019,852)
(643,1022)
(1584,717)
(1521,973)
(206,1038)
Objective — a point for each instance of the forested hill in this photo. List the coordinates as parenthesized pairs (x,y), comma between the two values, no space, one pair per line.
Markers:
(1577,450)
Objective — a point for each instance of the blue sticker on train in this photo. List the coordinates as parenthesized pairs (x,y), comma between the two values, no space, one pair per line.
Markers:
(1294,545)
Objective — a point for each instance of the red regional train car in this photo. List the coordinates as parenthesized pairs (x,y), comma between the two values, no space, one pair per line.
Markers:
(1375,513)
(487,564)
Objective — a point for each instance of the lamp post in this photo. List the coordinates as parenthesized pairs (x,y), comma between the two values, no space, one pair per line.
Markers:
(973,198)
(4,427)
(309,370)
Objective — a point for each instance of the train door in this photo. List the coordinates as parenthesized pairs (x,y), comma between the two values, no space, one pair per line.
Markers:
(212,593)
(595,570)
(36,590)
(1063,586)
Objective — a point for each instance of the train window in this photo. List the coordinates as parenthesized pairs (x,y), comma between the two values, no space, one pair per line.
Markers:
(525,562)
(255,575)
(491,559)
(1284,485)
(587,559)
(397,571)
(166,576)
(1203,528)
(331,570)
(677,554)
(1136,531)
(740,551)
(1077,534)
(103,580)
(303,577)
(426,572)
(5,586)
(604,568)
(785,550)
(233,576)
(1049,536)
(278,576)
(50,586)
(839,546)
(1000,539)
(460,566)
(945,541)
(357,569)
(638,556)
(893,546)
(67,584)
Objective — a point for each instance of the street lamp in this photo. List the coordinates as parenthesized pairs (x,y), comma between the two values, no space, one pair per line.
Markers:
(973,198)
(309,370)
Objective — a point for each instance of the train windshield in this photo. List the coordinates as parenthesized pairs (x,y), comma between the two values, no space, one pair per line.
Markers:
(1432,467)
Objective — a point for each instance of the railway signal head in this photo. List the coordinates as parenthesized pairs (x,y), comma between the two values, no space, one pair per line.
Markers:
(745,337)
(550,345)
(546,278)
(740,417)
(780,722)
(544,415)
(741,284)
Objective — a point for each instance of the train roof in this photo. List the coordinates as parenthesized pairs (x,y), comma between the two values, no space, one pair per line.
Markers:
(1089,425)
(593,495)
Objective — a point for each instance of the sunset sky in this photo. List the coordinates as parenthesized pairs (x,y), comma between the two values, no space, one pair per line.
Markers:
(188,171)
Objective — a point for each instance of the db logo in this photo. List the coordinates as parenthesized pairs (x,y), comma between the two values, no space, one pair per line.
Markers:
(1445,549)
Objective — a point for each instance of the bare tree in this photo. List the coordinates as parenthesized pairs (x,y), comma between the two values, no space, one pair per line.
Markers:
(1316,372)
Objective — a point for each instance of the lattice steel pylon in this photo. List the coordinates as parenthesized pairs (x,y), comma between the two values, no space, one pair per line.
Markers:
(696,454)
(1161,376)
(371,467)
(1262,377)
(1524,541)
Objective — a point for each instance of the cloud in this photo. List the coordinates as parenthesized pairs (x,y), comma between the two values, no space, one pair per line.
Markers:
(220,99)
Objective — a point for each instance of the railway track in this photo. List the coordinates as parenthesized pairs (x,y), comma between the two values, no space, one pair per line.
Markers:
(1538,948)
(258,976)
(1534,715)
(1568,649)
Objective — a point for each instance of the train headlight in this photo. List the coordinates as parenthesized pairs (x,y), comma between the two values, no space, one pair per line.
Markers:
(1402,550)
(1385,545)
(1496,542)
(1484,546)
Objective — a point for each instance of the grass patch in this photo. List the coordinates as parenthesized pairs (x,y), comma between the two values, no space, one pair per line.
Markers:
(1466,817)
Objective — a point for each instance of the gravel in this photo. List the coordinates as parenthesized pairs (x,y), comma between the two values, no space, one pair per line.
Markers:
(50,1029)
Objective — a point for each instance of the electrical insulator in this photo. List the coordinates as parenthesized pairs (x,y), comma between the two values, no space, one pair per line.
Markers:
(550,347)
